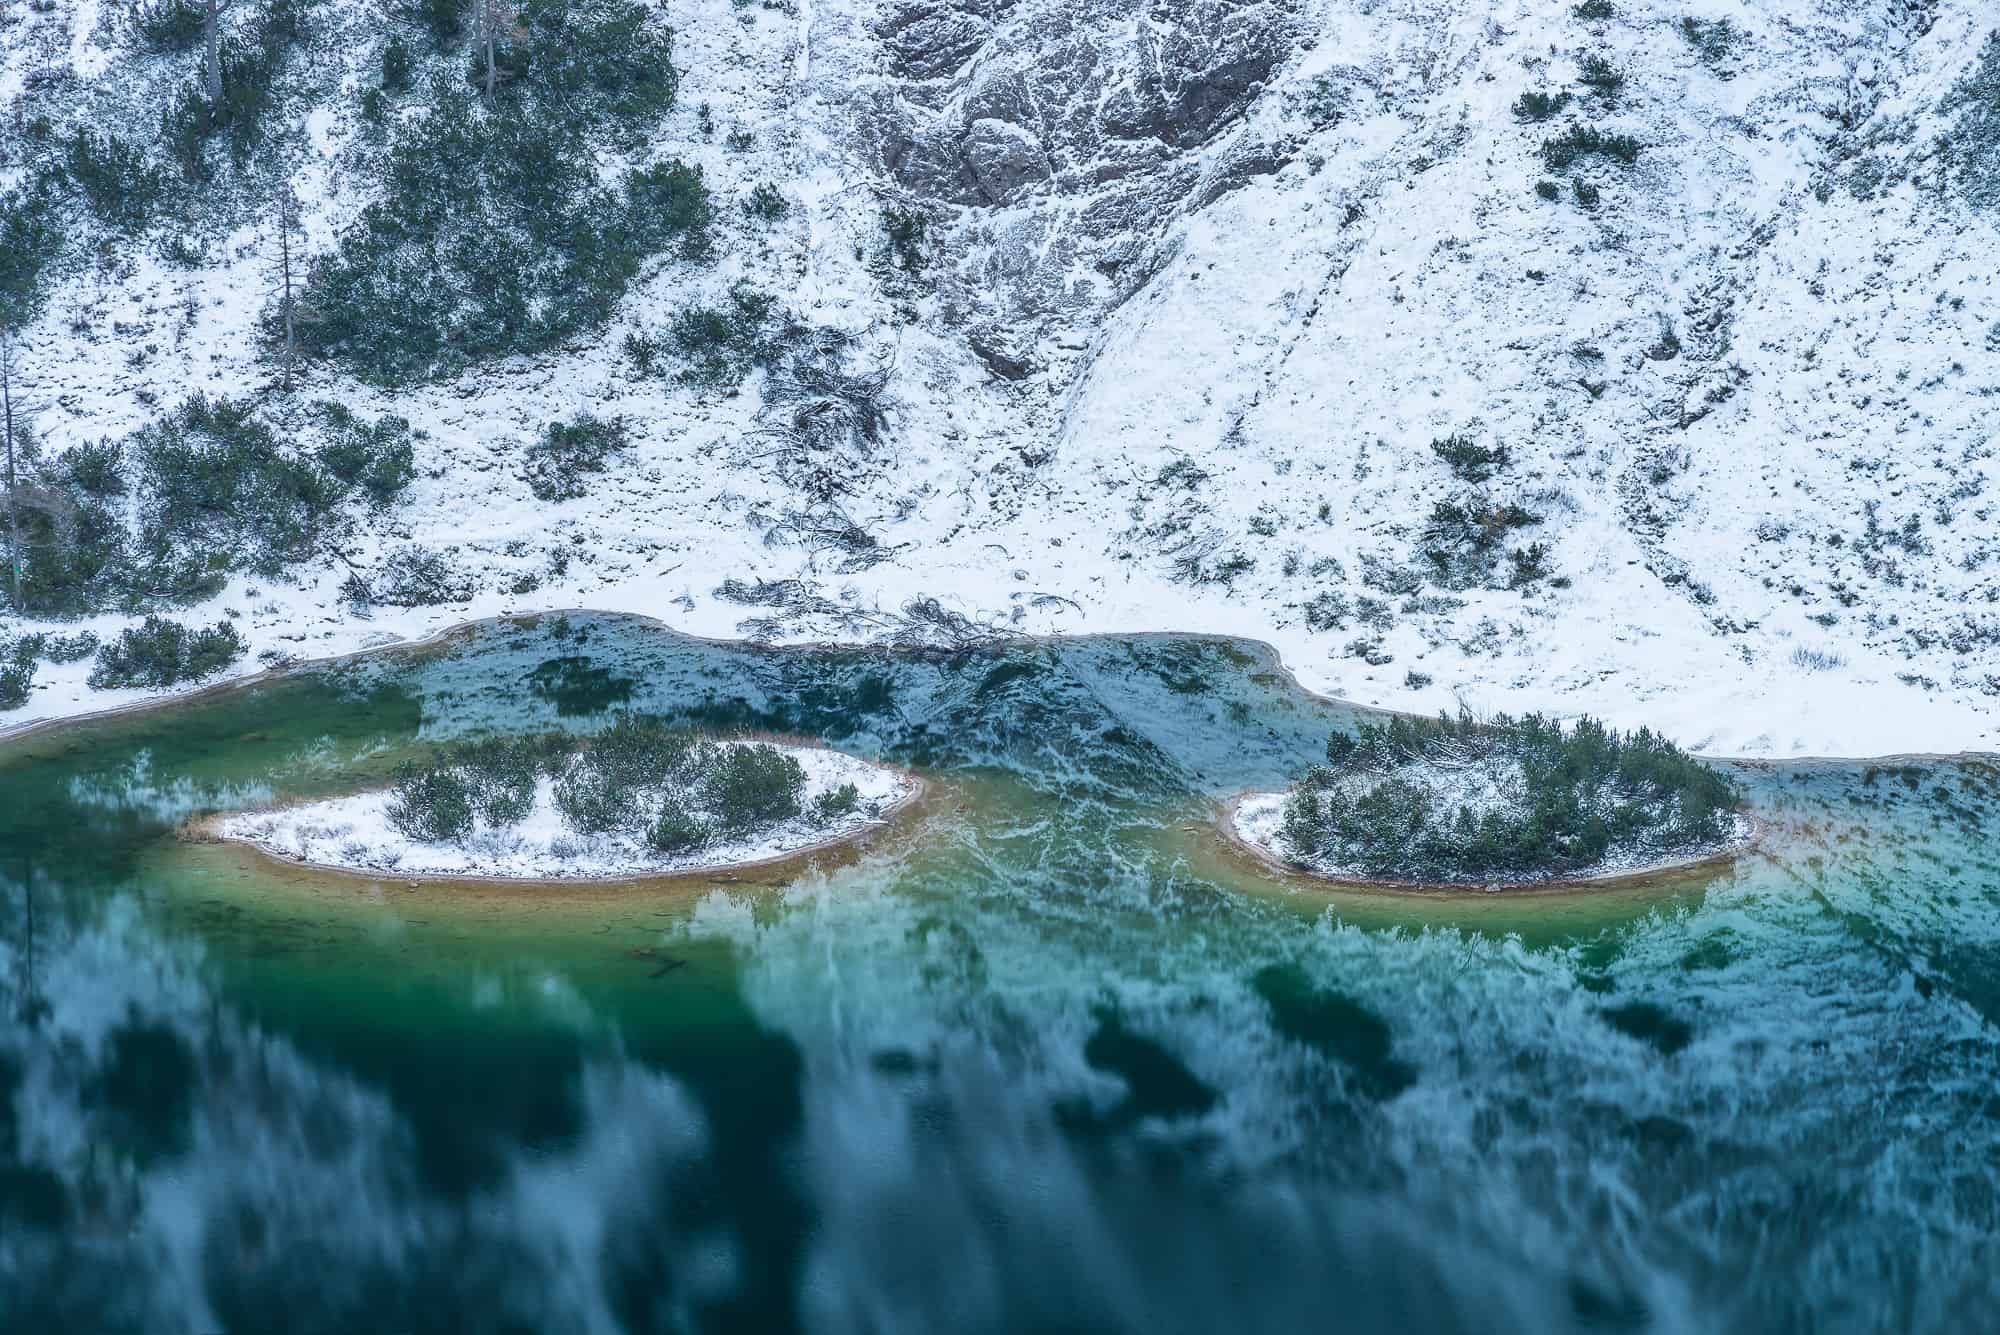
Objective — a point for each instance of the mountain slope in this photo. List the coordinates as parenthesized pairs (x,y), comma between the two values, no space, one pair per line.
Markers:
(1211,317)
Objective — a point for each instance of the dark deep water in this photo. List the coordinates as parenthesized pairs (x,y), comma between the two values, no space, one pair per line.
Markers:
(1044,1060)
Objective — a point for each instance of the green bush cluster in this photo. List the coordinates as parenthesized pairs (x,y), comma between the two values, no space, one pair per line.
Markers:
(560,459)
(493,234)
(56,648)
(253,68)
(1714,40)
(1600,76)
(219,493)
(1571,798)
(118,184)
(167,25)
(17,674)
(1540,106)
(1970,150)
(766,203)
(717,345)
(1465,537)
(642,777)
(159,653)
(215,492)
(1586,141)
(375,459)
(1468,460)
(607,59)
(75,552)
(31,237)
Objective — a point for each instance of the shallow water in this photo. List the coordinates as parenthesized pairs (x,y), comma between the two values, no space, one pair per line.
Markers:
(1048,1057)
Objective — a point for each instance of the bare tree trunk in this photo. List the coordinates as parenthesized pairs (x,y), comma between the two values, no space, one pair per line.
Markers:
(13,500)
(211,31)
(287,220)
(486,26)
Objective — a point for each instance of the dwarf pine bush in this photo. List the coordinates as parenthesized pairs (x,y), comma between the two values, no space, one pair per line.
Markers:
(1585,141)
(642,777)
(17,674)
(1468,460)
(568,451)
(1460,798)
(494,232)
(160,653)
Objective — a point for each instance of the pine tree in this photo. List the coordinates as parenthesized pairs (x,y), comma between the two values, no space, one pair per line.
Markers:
(286,275)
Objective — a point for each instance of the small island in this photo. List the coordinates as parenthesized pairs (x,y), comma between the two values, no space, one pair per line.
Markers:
(1495,802)
(640,798)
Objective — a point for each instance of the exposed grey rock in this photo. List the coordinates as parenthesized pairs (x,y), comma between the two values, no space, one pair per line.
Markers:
(932,42)
(1004,159)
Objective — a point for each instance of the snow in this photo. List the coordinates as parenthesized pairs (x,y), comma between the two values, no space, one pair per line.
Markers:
(353,833)
(1710,511)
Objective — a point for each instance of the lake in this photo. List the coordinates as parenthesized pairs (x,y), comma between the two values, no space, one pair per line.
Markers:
(1046,1056)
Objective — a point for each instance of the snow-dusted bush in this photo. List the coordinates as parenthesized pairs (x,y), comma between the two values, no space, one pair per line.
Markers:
(1468,460)
(418,576)
(566,451)
(766,203)
(118,184)
(374,458)
(159,653)
(218,490)
(1464,539)
(1535,105)
(836,802)
(494,233)
(215,490)
(1972,146)
(1587,141)
(608,59)
(75,551)
(643,777)
(431,805)
(17,674)
(167,25)
(1458,798)
(1714,40)
(719,344)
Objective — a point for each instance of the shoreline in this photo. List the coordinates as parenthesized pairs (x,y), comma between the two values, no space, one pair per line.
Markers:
(12,733)
(1224,820)
(206,830)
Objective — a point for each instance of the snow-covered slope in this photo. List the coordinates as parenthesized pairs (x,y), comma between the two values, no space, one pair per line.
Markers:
(1202,284)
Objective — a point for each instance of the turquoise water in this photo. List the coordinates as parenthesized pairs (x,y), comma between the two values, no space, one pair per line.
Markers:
(1046,1057)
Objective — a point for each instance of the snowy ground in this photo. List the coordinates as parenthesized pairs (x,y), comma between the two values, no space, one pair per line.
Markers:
(1775,532)
(1258,819)
(354,834)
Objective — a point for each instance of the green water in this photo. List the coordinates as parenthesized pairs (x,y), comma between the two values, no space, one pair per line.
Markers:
(1046,1057)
